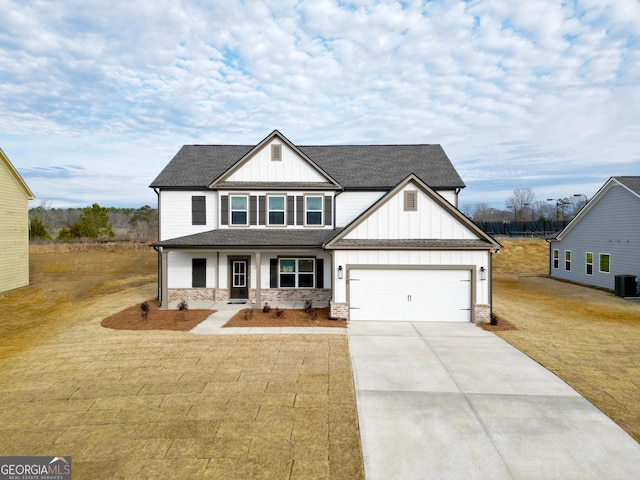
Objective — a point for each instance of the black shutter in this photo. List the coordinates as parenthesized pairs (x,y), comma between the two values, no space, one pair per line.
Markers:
(224,210)
(198,210)
(253,200)
(300,205)
(319,273)
(273,273)
(198,272)
(290,210)
(261,209)
(327,211)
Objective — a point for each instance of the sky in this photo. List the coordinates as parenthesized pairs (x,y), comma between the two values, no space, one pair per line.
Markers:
(97,96)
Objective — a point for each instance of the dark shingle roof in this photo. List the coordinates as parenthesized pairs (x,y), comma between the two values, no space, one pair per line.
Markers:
(353,166)
(632,183)
(254,238)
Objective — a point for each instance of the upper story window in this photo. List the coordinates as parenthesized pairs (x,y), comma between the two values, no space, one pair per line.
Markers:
(276,209)
(239,206)
(198,210)
(313,209)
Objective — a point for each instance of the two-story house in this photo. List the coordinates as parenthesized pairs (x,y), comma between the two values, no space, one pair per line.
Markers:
(371,229)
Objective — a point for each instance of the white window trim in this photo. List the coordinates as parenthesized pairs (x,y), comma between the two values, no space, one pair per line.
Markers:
(567,261)
(284,210)
(321,196)
(556,259)
(587,263)
(296,272)
(599,263)
(231,210)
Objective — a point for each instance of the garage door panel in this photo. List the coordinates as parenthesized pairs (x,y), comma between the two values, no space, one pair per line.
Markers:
(410,295)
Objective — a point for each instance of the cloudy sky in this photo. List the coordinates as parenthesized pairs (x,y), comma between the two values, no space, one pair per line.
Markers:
(97,96)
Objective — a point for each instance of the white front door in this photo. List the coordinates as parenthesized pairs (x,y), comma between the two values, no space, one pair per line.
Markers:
(416,295)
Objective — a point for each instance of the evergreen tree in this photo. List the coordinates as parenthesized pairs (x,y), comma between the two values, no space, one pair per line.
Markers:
(37,231)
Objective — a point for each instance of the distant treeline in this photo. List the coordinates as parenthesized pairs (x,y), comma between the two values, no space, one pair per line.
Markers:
(93,222)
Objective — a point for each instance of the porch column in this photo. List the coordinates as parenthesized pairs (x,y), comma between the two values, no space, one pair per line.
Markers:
(164,279)
(258,280)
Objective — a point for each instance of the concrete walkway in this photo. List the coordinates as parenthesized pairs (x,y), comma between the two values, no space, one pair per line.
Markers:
(452,401)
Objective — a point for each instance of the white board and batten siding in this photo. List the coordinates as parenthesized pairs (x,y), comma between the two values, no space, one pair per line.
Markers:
(262,168)
(175,208)
(391,222)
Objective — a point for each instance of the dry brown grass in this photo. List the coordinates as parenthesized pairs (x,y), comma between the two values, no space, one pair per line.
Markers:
(158,404)
(588,337)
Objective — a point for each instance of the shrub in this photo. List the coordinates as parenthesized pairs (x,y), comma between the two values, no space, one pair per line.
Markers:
(494,319)
(183,305)
(144,309)
(266,308)
(308,306)
(279,312)
(248,313)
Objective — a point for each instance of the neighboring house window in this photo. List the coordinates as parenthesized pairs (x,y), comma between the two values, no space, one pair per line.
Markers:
(589,262)
(276,152)
(604,262)
(410,200)
(567,260)
(276,206)
(313,210)
(198,210)
(297,272)
(199,272)
(239,210)
(556,259)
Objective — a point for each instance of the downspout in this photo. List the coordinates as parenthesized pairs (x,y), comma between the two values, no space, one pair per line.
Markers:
(159,296)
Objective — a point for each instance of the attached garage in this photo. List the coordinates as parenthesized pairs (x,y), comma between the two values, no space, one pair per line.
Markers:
(410,294)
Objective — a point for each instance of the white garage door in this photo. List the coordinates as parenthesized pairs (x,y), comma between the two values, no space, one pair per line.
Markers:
(410,295)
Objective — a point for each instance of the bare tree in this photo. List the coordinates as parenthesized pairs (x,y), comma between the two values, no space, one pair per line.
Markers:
(521,198)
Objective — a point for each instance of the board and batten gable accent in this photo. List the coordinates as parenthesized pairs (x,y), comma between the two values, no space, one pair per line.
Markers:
(260,167)
(176,208)
(14,227)
(609,225)
(392,221)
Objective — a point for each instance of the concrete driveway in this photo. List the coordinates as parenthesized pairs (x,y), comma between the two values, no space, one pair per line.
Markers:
(452,401)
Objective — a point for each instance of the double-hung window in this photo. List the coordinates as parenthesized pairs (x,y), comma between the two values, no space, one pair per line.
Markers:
(556,258)
(276,207)
(239,210)
(567,260)
(313,209)
(589,262)
(297,272)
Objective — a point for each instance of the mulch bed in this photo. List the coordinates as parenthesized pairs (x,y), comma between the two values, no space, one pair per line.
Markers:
(179,320)
(255,317)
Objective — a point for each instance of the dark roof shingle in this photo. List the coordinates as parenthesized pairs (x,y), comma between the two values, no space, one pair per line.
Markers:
(353,166)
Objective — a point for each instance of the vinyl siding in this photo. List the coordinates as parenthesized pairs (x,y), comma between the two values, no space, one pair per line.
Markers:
(175,210)
(612,226)
(349,205)
(14,232)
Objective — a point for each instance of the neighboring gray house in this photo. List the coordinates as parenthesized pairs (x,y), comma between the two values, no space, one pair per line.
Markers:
(373,230)
(603,240)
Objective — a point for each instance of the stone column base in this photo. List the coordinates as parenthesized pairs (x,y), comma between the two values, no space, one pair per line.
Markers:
(339,310)
(482,313)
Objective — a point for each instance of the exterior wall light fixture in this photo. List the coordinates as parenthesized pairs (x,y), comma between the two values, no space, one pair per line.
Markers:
(340,272)
(483,273)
